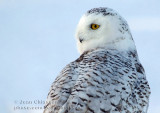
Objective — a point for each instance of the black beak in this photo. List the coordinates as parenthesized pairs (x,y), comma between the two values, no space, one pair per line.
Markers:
(81,40)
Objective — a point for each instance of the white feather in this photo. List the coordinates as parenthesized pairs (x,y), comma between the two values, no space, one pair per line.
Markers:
(108,35)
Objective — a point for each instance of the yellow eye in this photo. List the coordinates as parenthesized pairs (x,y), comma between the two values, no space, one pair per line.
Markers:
(95,26)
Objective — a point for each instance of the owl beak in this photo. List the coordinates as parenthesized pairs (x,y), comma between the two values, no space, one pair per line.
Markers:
(80,40)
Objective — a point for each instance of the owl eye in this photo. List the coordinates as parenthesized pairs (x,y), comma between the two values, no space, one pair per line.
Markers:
(95,26)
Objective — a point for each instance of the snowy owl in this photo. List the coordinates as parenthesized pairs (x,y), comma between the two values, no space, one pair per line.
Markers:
(108,76)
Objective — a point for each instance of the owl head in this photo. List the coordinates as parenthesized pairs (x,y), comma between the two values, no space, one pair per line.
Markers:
(103,28)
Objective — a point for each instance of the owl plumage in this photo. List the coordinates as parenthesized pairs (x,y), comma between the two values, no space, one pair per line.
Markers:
(108,76)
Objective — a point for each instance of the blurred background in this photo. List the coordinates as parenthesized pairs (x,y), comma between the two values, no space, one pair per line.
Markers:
(37,41)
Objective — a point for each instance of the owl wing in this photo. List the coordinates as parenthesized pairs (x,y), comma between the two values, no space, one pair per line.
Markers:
(141,90)
(99,81)
(61,89)
(103,84)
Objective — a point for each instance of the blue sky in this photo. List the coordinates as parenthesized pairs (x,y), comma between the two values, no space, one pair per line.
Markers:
(37,41)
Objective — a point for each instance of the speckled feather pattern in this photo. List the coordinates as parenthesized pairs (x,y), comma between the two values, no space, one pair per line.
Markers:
(104,10)
(100,81)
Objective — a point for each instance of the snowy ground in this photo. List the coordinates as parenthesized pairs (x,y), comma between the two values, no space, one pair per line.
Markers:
(37,41)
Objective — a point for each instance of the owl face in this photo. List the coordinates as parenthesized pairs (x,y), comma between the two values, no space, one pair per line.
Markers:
(101,27)
(92,27)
